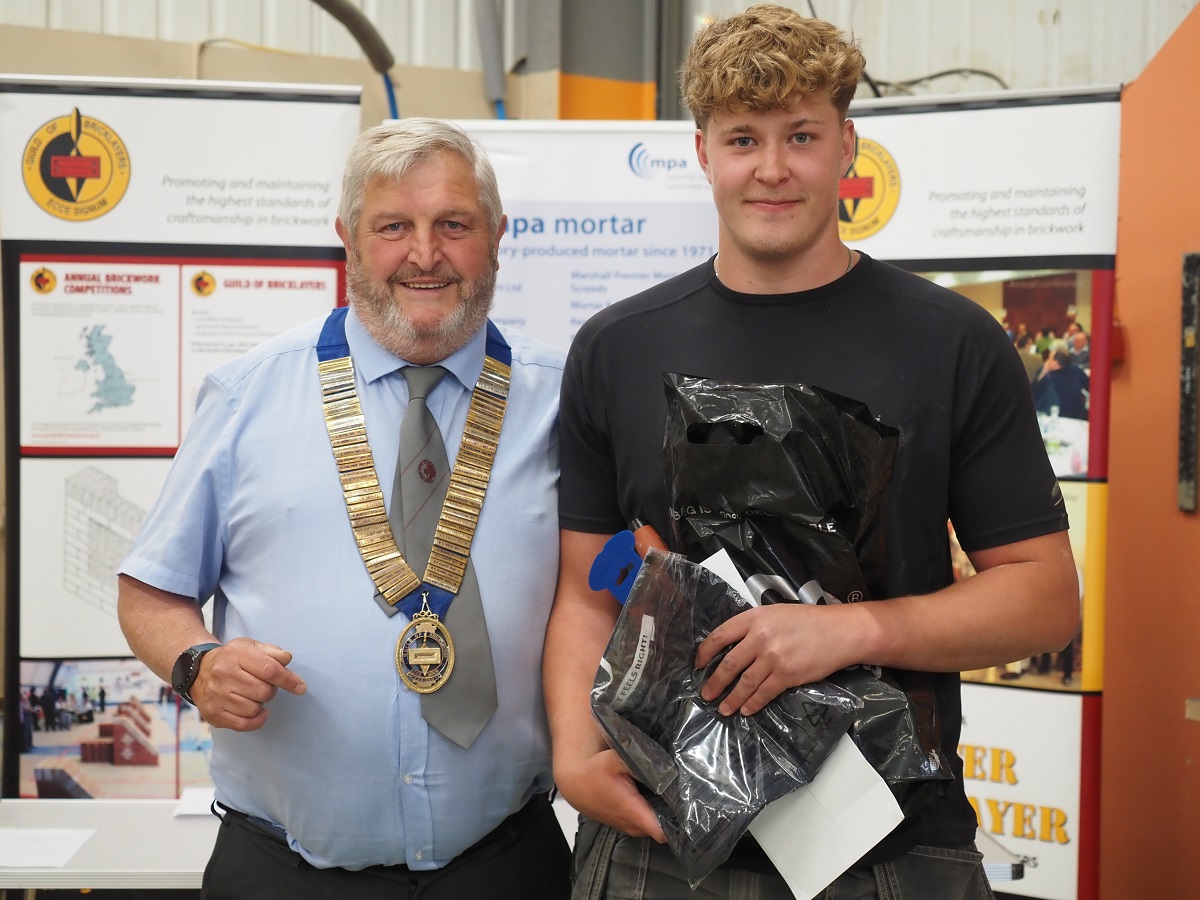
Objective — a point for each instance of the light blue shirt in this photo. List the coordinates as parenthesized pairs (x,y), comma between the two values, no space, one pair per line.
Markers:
(252,514)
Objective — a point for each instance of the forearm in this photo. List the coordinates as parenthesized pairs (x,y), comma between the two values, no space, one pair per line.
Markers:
(575,640)
(580,625)
(1012,608)
(158,625)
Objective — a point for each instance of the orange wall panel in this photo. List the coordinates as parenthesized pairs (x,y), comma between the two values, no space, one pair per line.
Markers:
(586,97)
(1150,789)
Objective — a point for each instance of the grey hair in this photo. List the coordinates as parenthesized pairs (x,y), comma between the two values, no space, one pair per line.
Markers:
(389,150)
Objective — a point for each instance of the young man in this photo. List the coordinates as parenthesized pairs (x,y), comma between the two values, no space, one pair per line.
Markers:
(785,301)
(350,758)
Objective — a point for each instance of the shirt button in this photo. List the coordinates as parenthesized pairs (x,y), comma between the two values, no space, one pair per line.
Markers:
(418,855)
(408,779)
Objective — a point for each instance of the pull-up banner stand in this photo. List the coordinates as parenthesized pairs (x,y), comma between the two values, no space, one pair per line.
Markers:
(149,230)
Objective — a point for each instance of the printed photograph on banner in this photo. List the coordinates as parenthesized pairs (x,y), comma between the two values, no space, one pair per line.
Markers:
(1061,671)
(107,729)
(78,518)
(97,364)
(1021,753)
(1048,316)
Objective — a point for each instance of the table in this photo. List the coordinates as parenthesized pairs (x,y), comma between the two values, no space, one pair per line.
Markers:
(137,844)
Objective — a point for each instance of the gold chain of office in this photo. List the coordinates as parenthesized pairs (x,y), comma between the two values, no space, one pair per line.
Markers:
(455,531)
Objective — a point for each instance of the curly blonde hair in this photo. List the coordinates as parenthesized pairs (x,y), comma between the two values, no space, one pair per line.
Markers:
(765,58)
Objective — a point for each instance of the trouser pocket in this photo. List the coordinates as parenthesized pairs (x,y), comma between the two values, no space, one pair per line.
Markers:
(594,844)
(934,873)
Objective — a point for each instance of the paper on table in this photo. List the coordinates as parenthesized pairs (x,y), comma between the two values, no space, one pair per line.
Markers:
(194,802)
(40,848)
(814,834)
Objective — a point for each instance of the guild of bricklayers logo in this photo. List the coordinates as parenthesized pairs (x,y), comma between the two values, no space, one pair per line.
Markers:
(76,167)
(43,281)
(868,194)
(203,284)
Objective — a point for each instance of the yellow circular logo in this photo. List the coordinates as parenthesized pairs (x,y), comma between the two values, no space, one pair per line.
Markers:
(203,283)
(43,281)
(868,195)
(76,168)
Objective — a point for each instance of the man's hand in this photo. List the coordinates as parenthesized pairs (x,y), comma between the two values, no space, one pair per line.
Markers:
(774,648)
(602,788)
(236,681)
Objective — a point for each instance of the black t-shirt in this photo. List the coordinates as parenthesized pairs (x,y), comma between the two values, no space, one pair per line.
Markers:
(925,360)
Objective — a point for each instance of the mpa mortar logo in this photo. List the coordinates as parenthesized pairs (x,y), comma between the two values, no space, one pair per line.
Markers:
(43,281)
(76,168)
(868,194)
(644,164)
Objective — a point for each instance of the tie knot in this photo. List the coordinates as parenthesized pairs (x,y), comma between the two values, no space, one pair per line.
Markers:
(421,380)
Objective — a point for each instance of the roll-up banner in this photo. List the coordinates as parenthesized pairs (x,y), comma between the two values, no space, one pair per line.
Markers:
(1008,199)
(149,231)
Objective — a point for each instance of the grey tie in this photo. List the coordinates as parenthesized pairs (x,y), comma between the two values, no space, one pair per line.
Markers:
(461,707)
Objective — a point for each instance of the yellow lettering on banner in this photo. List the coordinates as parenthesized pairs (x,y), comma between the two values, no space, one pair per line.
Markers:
(1023,816)
(993,764)
(1053,830)
(1029,821)
(1002,766)
(998,813)
(972,758)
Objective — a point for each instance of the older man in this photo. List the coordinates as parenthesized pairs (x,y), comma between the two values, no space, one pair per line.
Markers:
(374,688)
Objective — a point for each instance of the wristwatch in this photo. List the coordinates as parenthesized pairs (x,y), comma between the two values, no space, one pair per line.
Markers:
(187,667)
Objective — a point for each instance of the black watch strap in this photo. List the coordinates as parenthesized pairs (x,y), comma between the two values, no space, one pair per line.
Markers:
(187,667)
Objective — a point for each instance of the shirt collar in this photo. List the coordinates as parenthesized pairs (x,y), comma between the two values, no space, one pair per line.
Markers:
(374,362)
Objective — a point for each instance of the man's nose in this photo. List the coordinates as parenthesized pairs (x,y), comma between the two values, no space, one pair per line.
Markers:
(772,164)
(424,249)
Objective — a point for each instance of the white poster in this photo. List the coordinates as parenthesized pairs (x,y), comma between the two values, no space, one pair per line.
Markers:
(1021,752)
(172,162)
(597,211)
(149,231)
(229,308)
(81,515)
(88,377)
(1017,180)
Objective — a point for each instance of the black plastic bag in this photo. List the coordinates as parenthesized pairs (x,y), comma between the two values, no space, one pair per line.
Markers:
(790,480)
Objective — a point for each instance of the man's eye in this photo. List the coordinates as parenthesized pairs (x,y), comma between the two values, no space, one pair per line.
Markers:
(802,138)
(392,227)
(741,142)
(455,226)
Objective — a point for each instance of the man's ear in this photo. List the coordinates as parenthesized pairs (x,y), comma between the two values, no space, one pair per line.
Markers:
(343,233)
(702,153)
(849,146)
(496,244)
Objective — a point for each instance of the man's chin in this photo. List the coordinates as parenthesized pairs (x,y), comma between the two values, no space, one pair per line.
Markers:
(424,340)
